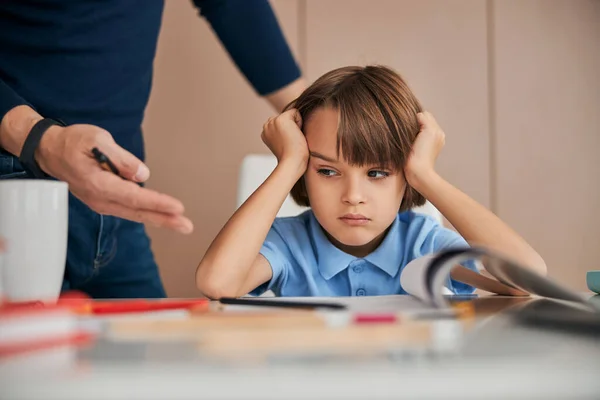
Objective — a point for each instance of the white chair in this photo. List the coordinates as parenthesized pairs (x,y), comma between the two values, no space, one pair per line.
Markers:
(255,168)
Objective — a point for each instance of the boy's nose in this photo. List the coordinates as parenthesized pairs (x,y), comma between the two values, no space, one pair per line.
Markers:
(353,193)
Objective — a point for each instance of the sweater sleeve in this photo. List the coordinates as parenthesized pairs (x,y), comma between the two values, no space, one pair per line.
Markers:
(250,32)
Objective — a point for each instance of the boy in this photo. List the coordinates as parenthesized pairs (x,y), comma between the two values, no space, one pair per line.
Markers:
(359,150)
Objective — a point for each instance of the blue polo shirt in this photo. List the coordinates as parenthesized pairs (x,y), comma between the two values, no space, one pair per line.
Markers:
(305,263)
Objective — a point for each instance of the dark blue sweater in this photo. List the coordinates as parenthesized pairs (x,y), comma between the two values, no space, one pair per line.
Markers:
(90,61)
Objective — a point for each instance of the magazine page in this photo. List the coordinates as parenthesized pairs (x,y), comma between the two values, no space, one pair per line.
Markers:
(479,280)
(415,282)
(518,276)
(425,278)
(413,276)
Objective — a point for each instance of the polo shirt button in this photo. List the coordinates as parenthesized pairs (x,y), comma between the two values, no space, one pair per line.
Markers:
(357,268)
(361,292)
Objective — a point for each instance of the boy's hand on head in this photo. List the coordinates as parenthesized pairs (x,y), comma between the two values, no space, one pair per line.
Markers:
(426,148)
(283,136)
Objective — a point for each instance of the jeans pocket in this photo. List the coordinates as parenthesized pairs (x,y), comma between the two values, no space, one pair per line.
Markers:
(9,167)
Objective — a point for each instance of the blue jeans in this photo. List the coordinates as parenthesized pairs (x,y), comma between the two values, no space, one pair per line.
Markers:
(107,257)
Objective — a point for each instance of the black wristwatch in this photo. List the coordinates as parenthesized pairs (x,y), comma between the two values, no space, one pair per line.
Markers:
(27,157)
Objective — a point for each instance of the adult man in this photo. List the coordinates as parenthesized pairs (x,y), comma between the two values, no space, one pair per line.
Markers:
(76,74)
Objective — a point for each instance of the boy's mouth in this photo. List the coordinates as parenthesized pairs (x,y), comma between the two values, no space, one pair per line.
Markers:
(354,219)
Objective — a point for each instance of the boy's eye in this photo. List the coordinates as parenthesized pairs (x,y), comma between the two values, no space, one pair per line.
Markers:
(326,172)
(378,174)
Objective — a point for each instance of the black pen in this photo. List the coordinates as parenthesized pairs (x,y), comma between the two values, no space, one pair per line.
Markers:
(249,301)
(104,161)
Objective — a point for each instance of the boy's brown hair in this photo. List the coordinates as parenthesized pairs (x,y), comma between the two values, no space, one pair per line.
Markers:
(377,120)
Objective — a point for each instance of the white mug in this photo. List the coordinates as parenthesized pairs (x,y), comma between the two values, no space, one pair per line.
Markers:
(1,258)
(34,224)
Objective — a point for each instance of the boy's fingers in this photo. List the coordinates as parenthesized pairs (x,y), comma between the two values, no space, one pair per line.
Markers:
(293,114)
(426,119)
(298,118)
(422,119)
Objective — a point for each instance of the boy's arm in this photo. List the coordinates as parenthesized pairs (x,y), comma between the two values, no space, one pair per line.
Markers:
(232,265)
(475,223)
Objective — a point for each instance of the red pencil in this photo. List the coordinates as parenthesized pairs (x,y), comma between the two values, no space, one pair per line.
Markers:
(132,306)
(376,318)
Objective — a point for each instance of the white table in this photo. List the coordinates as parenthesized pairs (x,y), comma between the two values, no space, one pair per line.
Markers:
(497,359)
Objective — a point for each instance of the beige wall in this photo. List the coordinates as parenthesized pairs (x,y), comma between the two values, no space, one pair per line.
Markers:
(547,128)
(514,83)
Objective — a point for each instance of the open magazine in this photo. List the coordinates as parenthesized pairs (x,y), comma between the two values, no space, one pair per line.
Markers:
(425,278)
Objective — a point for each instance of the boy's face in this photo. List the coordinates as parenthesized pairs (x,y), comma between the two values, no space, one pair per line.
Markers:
(354,205)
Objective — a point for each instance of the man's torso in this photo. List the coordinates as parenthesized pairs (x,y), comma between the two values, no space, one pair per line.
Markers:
(83,61)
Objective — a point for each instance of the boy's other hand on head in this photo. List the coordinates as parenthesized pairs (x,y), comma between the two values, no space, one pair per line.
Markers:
(426,148)
(283,136)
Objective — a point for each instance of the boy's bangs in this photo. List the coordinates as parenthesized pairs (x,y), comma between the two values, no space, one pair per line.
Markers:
(365,137)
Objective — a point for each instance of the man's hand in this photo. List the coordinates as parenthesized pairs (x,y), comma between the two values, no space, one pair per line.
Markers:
(283,137)
(426,148)
(65,153)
